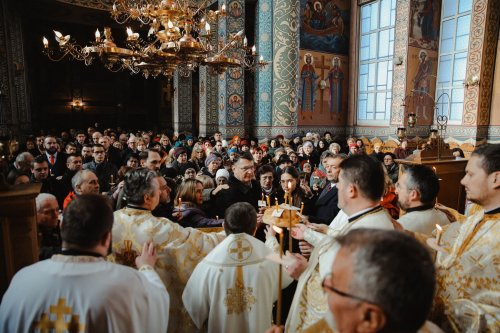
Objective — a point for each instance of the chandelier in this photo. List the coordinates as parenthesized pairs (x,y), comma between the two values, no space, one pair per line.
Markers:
(179,38)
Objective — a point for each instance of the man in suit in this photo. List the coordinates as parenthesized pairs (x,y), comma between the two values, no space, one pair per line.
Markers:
(112,153)
(326,205)
(57,161)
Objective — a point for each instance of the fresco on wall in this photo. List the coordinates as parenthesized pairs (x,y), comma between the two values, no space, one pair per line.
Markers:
(421,84)
(425,16)
(324,25)
(323,88)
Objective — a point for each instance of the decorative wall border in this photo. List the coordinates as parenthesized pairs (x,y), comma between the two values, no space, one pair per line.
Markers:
(264,77)
(183,114)
(285,64)
(400,50)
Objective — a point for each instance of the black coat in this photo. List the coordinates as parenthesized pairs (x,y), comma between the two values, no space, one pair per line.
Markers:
(326,206)
(237,192)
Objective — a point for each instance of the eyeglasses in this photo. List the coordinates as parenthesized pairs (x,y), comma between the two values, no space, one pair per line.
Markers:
(247,168)
(341,293)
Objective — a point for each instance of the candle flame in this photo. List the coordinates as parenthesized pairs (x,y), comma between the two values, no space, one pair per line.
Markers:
(254,49)
(438,227)
(129,31)
(45,42)
(97,34)
(289,186)
(58,34)
(278,229)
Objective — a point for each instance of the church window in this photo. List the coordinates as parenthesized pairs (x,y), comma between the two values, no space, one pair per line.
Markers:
(453,47)
(376,49)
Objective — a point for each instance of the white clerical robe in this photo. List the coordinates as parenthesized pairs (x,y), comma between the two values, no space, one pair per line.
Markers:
(179,251)
(309,302)
(84,294)
(234,287)
(423,221)
(468,276)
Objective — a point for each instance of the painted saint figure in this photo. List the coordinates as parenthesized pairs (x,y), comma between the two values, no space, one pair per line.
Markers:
(336,77)
(421,85)
(308,84)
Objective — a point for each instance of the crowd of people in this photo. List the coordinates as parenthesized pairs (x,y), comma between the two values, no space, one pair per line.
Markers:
(144,200)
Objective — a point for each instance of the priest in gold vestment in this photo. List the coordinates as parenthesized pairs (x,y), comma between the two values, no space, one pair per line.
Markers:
(179,249)
(468,273)
(360,187)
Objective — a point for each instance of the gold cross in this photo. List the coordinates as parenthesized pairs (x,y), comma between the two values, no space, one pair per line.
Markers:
(240,250)
(45,325)
(322,67)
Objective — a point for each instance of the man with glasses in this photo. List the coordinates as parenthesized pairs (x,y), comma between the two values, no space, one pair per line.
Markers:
(360,187)
(105,171)
(242,185)
(417,189)
(380,281)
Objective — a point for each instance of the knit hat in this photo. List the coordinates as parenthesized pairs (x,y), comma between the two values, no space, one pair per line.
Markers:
(284,159)
(222,173)
(210,158)
(232,150)
(178,151)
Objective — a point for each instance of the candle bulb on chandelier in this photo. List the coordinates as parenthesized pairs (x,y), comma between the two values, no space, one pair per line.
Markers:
(45,42)
(245,42)
(207,28)
(261,59)
(97,36)
(223,8)
(254,50)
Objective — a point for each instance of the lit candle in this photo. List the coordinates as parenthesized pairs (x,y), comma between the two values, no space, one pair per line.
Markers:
(217,217)
(439,234)
(301,207)
(254,50)
(207,28)
(245,42)
(97,36)
(268,201)
(111,179)
(278,306)
(262,197)
(261,59)
(276,202)
(223,8)
(45,42)
(180,203)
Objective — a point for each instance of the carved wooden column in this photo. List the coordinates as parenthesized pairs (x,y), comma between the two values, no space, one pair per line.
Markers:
(15,112)
(183,112)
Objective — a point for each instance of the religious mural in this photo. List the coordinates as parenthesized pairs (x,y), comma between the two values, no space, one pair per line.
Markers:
(323,83)
(324,25)
(421,84)
(425,16)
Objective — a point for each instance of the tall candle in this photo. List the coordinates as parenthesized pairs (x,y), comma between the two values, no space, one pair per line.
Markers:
(278,306)
(268,201)
(301,208)
(439,234)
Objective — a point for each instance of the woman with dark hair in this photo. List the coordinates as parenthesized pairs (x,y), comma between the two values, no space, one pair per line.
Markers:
(187,205)
(301,193)
(322,146)
(391,166)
